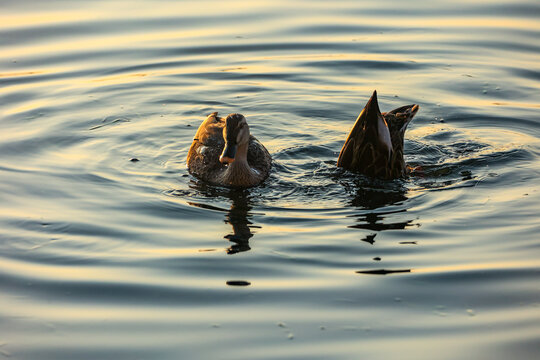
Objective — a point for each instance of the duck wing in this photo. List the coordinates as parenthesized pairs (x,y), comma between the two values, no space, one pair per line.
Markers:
(208,143)
(258,157)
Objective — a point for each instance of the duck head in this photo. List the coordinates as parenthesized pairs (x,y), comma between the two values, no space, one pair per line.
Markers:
(374,146)
(236,135)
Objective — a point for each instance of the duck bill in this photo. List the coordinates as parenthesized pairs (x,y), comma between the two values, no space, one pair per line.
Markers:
(228,154)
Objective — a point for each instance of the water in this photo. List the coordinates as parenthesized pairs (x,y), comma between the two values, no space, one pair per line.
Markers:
(102,257)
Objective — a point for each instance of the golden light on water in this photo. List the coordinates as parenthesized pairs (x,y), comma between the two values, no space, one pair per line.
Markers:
(110,248)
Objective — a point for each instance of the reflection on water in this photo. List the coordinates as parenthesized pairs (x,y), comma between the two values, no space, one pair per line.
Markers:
(376,222)
(238,216)
(383,272)
(365,196)
(381,199)
(378,204)
(106,257)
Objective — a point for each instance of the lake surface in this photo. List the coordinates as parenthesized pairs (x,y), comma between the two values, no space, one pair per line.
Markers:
(106,257)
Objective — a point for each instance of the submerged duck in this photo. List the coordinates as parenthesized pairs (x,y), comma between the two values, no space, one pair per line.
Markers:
(224,153)
(374,146)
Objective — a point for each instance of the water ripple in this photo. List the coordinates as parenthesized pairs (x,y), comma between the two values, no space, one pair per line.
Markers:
(109,243)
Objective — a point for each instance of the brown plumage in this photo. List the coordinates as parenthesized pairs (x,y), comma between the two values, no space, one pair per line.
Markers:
(374,146)
(224,153)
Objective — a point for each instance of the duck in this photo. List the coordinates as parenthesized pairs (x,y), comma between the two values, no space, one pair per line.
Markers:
(374,146)
(224,153)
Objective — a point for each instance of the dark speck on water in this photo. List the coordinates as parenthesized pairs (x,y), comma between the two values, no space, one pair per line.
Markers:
(383,272)
(101,259)
(238,283)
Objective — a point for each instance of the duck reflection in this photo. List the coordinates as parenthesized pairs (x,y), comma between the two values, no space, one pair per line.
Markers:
(376,204)
(376,221)
(238,216)
(380,206)
(371,196)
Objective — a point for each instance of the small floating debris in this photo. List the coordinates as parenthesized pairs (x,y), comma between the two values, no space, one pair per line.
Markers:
(133,159)
(290,336)
(282,325)
(238,283)
(383,271)
(471,312)
(408,243)
(377,258)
